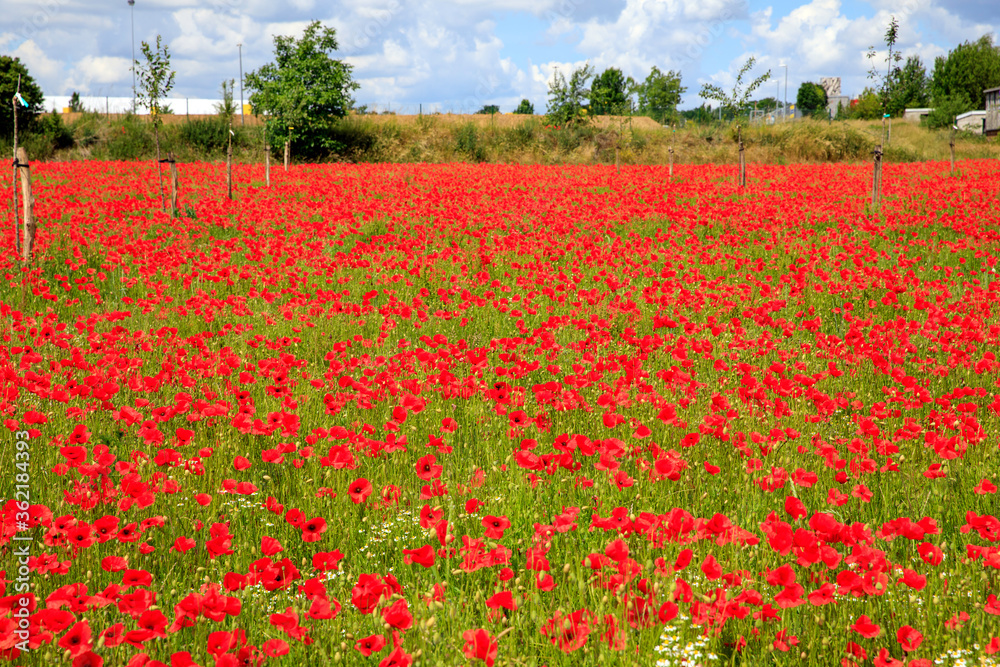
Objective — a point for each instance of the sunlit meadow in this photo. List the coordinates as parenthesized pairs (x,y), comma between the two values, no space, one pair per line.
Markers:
(442,415)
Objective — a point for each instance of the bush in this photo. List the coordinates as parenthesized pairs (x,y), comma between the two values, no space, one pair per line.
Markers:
(467,142)
(209,135)
(130,139)
(945,110)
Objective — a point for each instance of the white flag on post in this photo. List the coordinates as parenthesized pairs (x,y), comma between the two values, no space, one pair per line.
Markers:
(20,99)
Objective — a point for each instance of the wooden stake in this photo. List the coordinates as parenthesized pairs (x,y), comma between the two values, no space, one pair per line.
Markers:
(287,153)
(17,234)
(952,145)
(28,241)
(877,178)
(670,150)
(173,184)
(267,166)
(743,162)
(618,167)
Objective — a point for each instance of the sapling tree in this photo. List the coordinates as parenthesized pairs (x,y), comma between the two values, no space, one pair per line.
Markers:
(156,79)
(892,71)
(737,100)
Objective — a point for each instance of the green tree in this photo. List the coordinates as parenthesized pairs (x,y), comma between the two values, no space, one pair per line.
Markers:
(811,99)
(867,107)
(969,69)
(736,101)
(156,79)
(227,107)
(75,105)
(701,115)
(10,70)
(304,92)
(908,88)
(489,109)
(767,104)
(892,71)
(609,93)
(660,94)
(525,108)
(567,99)
(946,109)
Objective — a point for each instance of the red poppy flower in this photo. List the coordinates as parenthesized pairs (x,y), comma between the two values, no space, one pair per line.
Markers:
(370,644)
(423,556)
(909,638)
(427,468)
(359,490)
(274,648)
(77,639)
(495,526)
(312,530)
(503,599)
(864,627)
(480,645)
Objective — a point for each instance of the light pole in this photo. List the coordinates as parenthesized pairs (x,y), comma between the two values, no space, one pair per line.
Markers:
(240,47)
(784,110)
(131,4)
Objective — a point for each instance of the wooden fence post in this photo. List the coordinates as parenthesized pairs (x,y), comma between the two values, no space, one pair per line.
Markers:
(670,151)
(229,163)
(954,127)
(743,161)
(173,184)
(267,166)
(877,177)
(287,153)
(28,238)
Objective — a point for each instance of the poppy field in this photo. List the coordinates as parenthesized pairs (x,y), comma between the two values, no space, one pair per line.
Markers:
(503,415)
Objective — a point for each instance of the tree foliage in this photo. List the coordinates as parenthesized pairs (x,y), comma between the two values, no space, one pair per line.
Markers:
(304,92)
(10,69)
(525,108)
(489,109)
(567,99)
(736,101)
(156,79)
(908,88)
(227,108)
(811,99)
(660,94)
(969,69)
(609,93)
(884,83)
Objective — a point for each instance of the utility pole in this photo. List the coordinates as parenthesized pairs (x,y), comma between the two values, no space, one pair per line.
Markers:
(240,47)
(131,4)
(784,109)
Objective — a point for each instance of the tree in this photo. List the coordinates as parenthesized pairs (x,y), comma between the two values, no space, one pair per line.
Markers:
(811,99)
(489,109)
(227,108)
(867,107)
(701,115)
(156,79)
(75,104)
(525,108)
(737,100)
(567,98)
(660,94)
(946,110)
(767,104)
(10,70)
(969,69)
(892,71)
(609,93)
(304,92)
(908,88)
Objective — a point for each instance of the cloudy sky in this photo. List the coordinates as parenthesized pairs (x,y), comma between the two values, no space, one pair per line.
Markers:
(457,55)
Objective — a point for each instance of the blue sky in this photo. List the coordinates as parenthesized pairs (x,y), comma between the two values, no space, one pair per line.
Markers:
(458,55)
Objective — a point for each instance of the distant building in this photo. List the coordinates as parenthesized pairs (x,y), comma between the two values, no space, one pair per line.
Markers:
(916,115)
(834,97)
(972,121)
(992,126)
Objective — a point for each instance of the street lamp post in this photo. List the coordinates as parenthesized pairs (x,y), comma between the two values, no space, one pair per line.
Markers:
(784,110)
(131,4)
(240,47)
